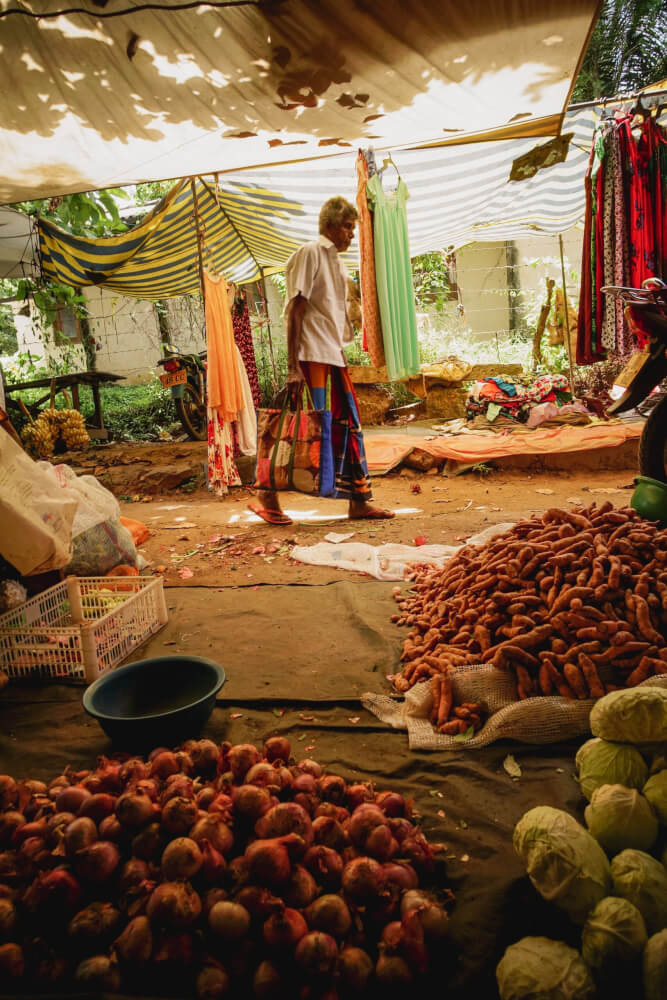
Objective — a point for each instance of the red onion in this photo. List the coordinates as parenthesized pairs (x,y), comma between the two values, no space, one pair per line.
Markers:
(325,865)
(229,921)
(99,973)
(173,904)
(380,844)
(181,859)
(363,878)
(222,805)
(33,850)
(177,950)
(29,787)
(392,804)
(266,983)
(10,822)
(283,819)
(54,891)
(47,968)
(284,928)
(212,983)
(356,795)
(179,815)
(417,850)
(9,792)
(71,799)
(149,786)
(392,937)
(329,913)
(332,788)
(38,828)
(80,833)
(306,783)
(156,752)
(184,761)
(400,874)
(392,971)
(211,897)
(98,806)
(205,756)
(238,871)
(264,775)
(92,925)
(355,968)
(212,827)
(164,764)
(204,797)
(133,770)
(148,843)
(401,828)
(8,861)
(328,831)
(111,829)
(108,773)
(57,785)
(133,873)
(364,819)
(310,767)
(269,861)
(178,785)
(285,776)
(241,758)
(301,888)
(97,862)
(7,918)
(135,809)
(93,784)
(308,803)
(277,748)
(251,801)
(135,944)
(414,949)
(316,953)
(259,902)
(213,864)
(38,807)
(56,826)
(12,963)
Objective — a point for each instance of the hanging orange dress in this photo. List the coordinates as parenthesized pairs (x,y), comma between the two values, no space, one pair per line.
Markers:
(224,389)
(369,299)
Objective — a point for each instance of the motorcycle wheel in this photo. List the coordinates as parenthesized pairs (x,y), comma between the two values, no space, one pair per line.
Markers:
(653,444)
(192,413)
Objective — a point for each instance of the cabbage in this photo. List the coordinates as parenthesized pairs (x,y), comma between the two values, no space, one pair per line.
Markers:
(600,762)
(536,968)
(619,817)
(655,967)
(633,715)
(655,790)
(643,880)
(614,931)
(564,862)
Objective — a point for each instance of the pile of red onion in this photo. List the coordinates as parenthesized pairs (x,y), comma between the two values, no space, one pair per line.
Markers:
(215,870)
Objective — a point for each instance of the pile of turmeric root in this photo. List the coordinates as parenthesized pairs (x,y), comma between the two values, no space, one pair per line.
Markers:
(574,603)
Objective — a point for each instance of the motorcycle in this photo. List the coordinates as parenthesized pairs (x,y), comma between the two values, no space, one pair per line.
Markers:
(648,309)
(185,376)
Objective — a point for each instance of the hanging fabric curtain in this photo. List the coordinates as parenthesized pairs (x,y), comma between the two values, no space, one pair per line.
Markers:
(372,329)
(393,276)
(625,230)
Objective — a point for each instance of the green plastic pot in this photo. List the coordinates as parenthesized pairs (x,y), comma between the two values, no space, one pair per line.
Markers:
(650,499)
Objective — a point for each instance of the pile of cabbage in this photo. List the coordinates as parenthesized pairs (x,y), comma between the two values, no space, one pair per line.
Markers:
(609,876)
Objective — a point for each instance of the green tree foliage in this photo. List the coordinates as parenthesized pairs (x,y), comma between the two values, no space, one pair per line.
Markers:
(152,191)
(93,213)
(430,280)
(627,50)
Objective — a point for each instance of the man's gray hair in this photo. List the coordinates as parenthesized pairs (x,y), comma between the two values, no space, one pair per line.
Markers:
(335,211)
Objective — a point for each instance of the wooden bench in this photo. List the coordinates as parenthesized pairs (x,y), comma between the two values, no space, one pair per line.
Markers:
(67,384)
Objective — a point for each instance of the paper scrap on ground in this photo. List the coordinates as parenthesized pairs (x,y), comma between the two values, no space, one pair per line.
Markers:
(335,538)
(385,562)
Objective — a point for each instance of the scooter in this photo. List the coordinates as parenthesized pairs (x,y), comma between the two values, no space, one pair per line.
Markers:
(185,376)
(648,308)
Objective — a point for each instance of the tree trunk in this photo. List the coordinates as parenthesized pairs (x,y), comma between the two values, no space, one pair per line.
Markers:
(541,323)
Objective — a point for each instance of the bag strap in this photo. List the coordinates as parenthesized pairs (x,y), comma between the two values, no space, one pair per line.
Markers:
(274,456)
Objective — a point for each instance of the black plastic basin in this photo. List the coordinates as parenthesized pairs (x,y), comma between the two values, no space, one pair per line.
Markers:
(155,702)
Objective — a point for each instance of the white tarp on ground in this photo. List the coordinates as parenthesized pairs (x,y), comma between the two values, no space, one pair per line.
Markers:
(92,100)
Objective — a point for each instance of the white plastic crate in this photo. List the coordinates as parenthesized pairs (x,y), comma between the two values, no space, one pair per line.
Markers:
(82,627)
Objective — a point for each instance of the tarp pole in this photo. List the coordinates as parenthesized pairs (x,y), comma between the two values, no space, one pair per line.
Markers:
(200,238)
(568,341)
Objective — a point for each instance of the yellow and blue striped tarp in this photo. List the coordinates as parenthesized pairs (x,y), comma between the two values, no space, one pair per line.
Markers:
(253,220)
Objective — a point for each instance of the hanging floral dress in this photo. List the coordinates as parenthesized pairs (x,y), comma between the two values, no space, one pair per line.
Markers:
(224,388)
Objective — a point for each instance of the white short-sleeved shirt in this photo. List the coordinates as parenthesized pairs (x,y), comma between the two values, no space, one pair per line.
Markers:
(316,272)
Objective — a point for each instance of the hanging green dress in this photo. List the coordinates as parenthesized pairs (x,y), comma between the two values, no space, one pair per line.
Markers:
(393,277)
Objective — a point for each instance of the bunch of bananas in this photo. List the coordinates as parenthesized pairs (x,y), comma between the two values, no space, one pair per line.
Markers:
(40,437)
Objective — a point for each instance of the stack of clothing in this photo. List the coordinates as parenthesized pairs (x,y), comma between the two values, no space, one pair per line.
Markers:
(513,399)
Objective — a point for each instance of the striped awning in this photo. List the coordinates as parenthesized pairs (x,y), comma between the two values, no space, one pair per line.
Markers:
(252,221)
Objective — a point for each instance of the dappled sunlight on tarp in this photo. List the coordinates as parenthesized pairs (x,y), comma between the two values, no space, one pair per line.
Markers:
(156,94)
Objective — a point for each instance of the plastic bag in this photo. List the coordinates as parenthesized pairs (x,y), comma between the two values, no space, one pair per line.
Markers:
(36,517)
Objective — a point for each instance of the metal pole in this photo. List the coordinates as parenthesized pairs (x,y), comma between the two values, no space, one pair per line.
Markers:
(566,331)
(268,329)
(200,238)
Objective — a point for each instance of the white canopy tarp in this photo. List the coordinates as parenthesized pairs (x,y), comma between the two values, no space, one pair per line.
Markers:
(92,100)
(18,245)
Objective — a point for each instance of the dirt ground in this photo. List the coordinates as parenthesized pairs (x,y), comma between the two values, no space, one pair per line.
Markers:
(222,544)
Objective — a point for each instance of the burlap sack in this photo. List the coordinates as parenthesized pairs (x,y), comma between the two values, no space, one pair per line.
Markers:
(535,720)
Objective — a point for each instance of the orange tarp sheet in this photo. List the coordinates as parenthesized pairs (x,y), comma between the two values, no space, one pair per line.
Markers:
(384,452)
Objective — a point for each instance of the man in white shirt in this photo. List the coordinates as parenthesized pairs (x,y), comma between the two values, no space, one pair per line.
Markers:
(318,327)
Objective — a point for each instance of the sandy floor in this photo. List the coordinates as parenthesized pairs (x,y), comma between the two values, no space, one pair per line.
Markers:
(221,543)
